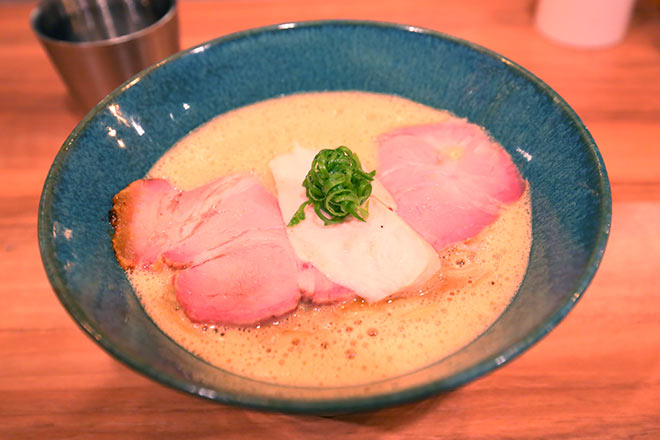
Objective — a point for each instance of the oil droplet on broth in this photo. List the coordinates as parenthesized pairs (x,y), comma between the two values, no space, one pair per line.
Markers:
(312,347)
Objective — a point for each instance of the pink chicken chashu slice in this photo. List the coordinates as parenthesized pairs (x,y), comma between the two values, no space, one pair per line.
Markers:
(228,240)
(449,180)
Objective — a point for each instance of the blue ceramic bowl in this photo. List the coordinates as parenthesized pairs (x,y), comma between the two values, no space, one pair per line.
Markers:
(120,139)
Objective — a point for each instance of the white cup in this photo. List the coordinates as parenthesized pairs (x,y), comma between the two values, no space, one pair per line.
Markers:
(584,23)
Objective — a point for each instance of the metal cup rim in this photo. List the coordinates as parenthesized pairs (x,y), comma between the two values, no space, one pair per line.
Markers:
(35,13)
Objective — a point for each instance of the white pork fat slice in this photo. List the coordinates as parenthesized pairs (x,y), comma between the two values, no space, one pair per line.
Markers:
(375,259)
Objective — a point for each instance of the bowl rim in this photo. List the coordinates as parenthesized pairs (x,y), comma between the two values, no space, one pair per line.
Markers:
(332,405)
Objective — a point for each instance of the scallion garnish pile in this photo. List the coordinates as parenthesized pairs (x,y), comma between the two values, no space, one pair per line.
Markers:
(337,187)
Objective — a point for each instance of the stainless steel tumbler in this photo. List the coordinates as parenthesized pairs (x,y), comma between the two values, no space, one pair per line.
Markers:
(96,45)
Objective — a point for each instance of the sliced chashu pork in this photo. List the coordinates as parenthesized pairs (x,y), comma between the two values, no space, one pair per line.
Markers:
(254,277)
(449,180)
(141,229)
(227,238)
(185,227)
(375,258)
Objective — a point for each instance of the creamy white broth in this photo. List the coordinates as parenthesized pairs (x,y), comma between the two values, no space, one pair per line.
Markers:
(352,342)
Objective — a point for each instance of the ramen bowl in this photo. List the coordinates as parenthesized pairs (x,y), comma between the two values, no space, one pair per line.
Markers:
(130,129)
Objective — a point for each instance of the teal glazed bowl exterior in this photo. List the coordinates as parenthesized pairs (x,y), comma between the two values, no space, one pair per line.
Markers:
(122,137)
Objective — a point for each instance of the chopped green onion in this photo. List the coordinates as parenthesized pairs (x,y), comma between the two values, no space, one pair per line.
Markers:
(337,187)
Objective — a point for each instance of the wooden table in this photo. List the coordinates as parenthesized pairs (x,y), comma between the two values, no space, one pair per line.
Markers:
(597,376)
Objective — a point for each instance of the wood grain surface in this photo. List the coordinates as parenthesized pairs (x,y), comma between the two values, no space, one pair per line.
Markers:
(596,376)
